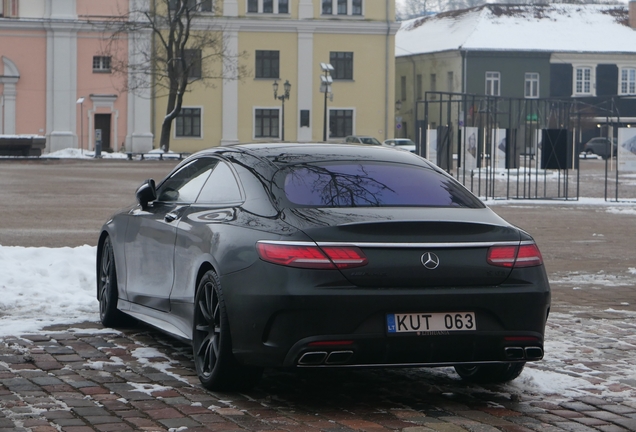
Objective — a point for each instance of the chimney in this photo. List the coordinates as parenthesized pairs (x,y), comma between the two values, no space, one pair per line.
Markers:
(632,14)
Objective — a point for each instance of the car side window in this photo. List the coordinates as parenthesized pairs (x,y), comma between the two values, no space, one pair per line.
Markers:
(221,187)
(184,185)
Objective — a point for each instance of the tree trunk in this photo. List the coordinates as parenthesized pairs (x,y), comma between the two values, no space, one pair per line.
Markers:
(164,141)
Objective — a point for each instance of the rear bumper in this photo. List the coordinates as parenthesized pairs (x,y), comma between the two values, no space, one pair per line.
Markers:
(286,323)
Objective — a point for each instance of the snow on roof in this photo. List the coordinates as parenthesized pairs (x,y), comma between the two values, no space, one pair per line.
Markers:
(547,28)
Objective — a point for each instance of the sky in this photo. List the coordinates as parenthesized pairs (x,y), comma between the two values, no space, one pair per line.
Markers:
(41,286)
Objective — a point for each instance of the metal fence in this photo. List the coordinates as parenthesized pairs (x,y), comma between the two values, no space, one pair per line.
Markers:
(507,147)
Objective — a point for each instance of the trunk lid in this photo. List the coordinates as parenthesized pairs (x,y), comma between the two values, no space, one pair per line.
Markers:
(416,247)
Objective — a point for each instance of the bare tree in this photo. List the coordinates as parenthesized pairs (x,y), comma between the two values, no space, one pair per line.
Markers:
(415,8)
(173,45)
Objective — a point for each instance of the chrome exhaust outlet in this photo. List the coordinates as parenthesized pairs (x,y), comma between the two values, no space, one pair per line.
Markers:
(514,353)
(312,358)
(339,357)
(534,353)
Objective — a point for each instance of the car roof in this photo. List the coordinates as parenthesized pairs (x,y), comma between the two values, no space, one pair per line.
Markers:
(283,154)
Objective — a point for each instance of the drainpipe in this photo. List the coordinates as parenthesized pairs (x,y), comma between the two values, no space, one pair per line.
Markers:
(464,65)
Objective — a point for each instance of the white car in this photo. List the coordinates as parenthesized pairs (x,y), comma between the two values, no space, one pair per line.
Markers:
(400,143)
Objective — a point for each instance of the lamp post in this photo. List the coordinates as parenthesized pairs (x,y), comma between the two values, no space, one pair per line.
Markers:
(80,101)
(398,118)
(287,87)
(325,87)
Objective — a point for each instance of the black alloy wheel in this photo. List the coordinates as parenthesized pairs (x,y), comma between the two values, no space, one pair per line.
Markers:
(107,288)
(490,373)
(211,342)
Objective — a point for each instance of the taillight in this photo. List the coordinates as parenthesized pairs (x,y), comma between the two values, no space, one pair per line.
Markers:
(525,255)
(311,256)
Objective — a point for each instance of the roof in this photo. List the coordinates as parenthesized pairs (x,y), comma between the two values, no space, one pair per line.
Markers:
(496,27)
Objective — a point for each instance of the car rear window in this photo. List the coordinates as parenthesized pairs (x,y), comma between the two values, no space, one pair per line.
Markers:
(372,184)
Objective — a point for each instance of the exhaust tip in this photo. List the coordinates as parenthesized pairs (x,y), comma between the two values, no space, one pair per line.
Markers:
(339,357)
(534,353)
(312,358)
(514,353)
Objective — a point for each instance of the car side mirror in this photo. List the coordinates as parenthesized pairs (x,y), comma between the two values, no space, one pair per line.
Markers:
(146,193)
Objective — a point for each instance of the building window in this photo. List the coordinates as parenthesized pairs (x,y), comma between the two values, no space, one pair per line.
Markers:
(267,64)
(418,83)
(402,88)
(342,7)
(531,85)
(583,80)
(266,123)
(340,123)
(268,6)
(492,83)
(342,63)
(449,82)
(9,8)
(200,5)
(628,81)
(101,63)
(188,123)
(192,58)
(433,82)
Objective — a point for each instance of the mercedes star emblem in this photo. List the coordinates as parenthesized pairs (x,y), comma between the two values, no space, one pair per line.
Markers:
(430,260)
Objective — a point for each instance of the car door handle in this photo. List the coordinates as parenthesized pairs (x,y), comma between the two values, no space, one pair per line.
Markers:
(171,217)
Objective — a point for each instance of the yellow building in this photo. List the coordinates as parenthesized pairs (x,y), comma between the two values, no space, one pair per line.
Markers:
(287,41)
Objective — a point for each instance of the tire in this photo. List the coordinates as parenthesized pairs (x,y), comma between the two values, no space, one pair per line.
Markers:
(211,342)
(107,293)
(490,373)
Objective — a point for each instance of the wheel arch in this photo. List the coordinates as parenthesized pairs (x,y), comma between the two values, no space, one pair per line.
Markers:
(203,269)
(98,260)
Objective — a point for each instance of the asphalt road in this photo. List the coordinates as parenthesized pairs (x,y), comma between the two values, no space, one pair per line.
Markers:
(85,378)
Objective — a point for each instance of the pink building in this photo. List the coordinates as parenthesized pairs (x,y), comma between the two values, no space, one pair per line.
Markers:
(55,80)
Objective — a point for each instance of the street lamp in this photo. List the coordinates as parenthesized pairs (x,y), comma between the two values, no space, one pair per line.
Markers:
(80,101)
(325,87)
(282,98)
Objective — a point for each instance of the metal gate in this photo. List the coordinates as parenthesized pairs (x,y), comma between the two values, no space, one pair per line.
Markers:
(506,147)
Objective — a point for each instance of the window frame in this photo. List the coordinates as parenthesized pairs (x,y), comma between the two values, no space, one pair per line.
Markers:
(531,82)
(277,123)
(182,115)
(629,83)
(261,75)
(204,5)
(342,8)
(492,78)
(260,7)
(101,63)
(341,66)
(352,119)
(582,81)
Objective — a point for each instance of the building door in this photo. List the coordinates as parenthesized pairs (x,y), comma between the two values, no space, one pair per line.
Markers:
(102,122)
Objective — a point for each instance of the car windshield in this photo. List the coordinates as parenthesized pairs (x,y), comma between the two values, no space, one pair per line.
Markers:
(404,143)
(371,184)
(369,140)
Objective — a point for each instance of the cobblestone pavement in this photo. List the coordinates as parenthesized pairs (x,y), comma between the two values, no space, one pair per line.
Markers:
(78,378)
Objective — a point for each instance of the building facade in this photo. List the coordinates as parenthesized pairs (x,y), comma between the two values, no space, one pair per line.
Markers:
(584,54)
(286,41)
(56,82)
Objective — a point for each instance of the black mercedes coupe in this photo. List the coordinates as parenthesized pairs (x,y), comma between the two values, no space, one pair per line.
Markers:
(324,255)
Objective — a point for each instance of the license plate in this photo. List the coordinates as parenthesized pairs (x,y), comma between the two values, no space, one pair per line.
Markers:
(431,322)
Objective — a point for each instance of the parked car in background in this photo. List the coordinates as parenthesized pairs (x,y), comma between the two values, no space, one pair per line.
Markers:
(362,139)
(400,143)
(600,146)
(324,255)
